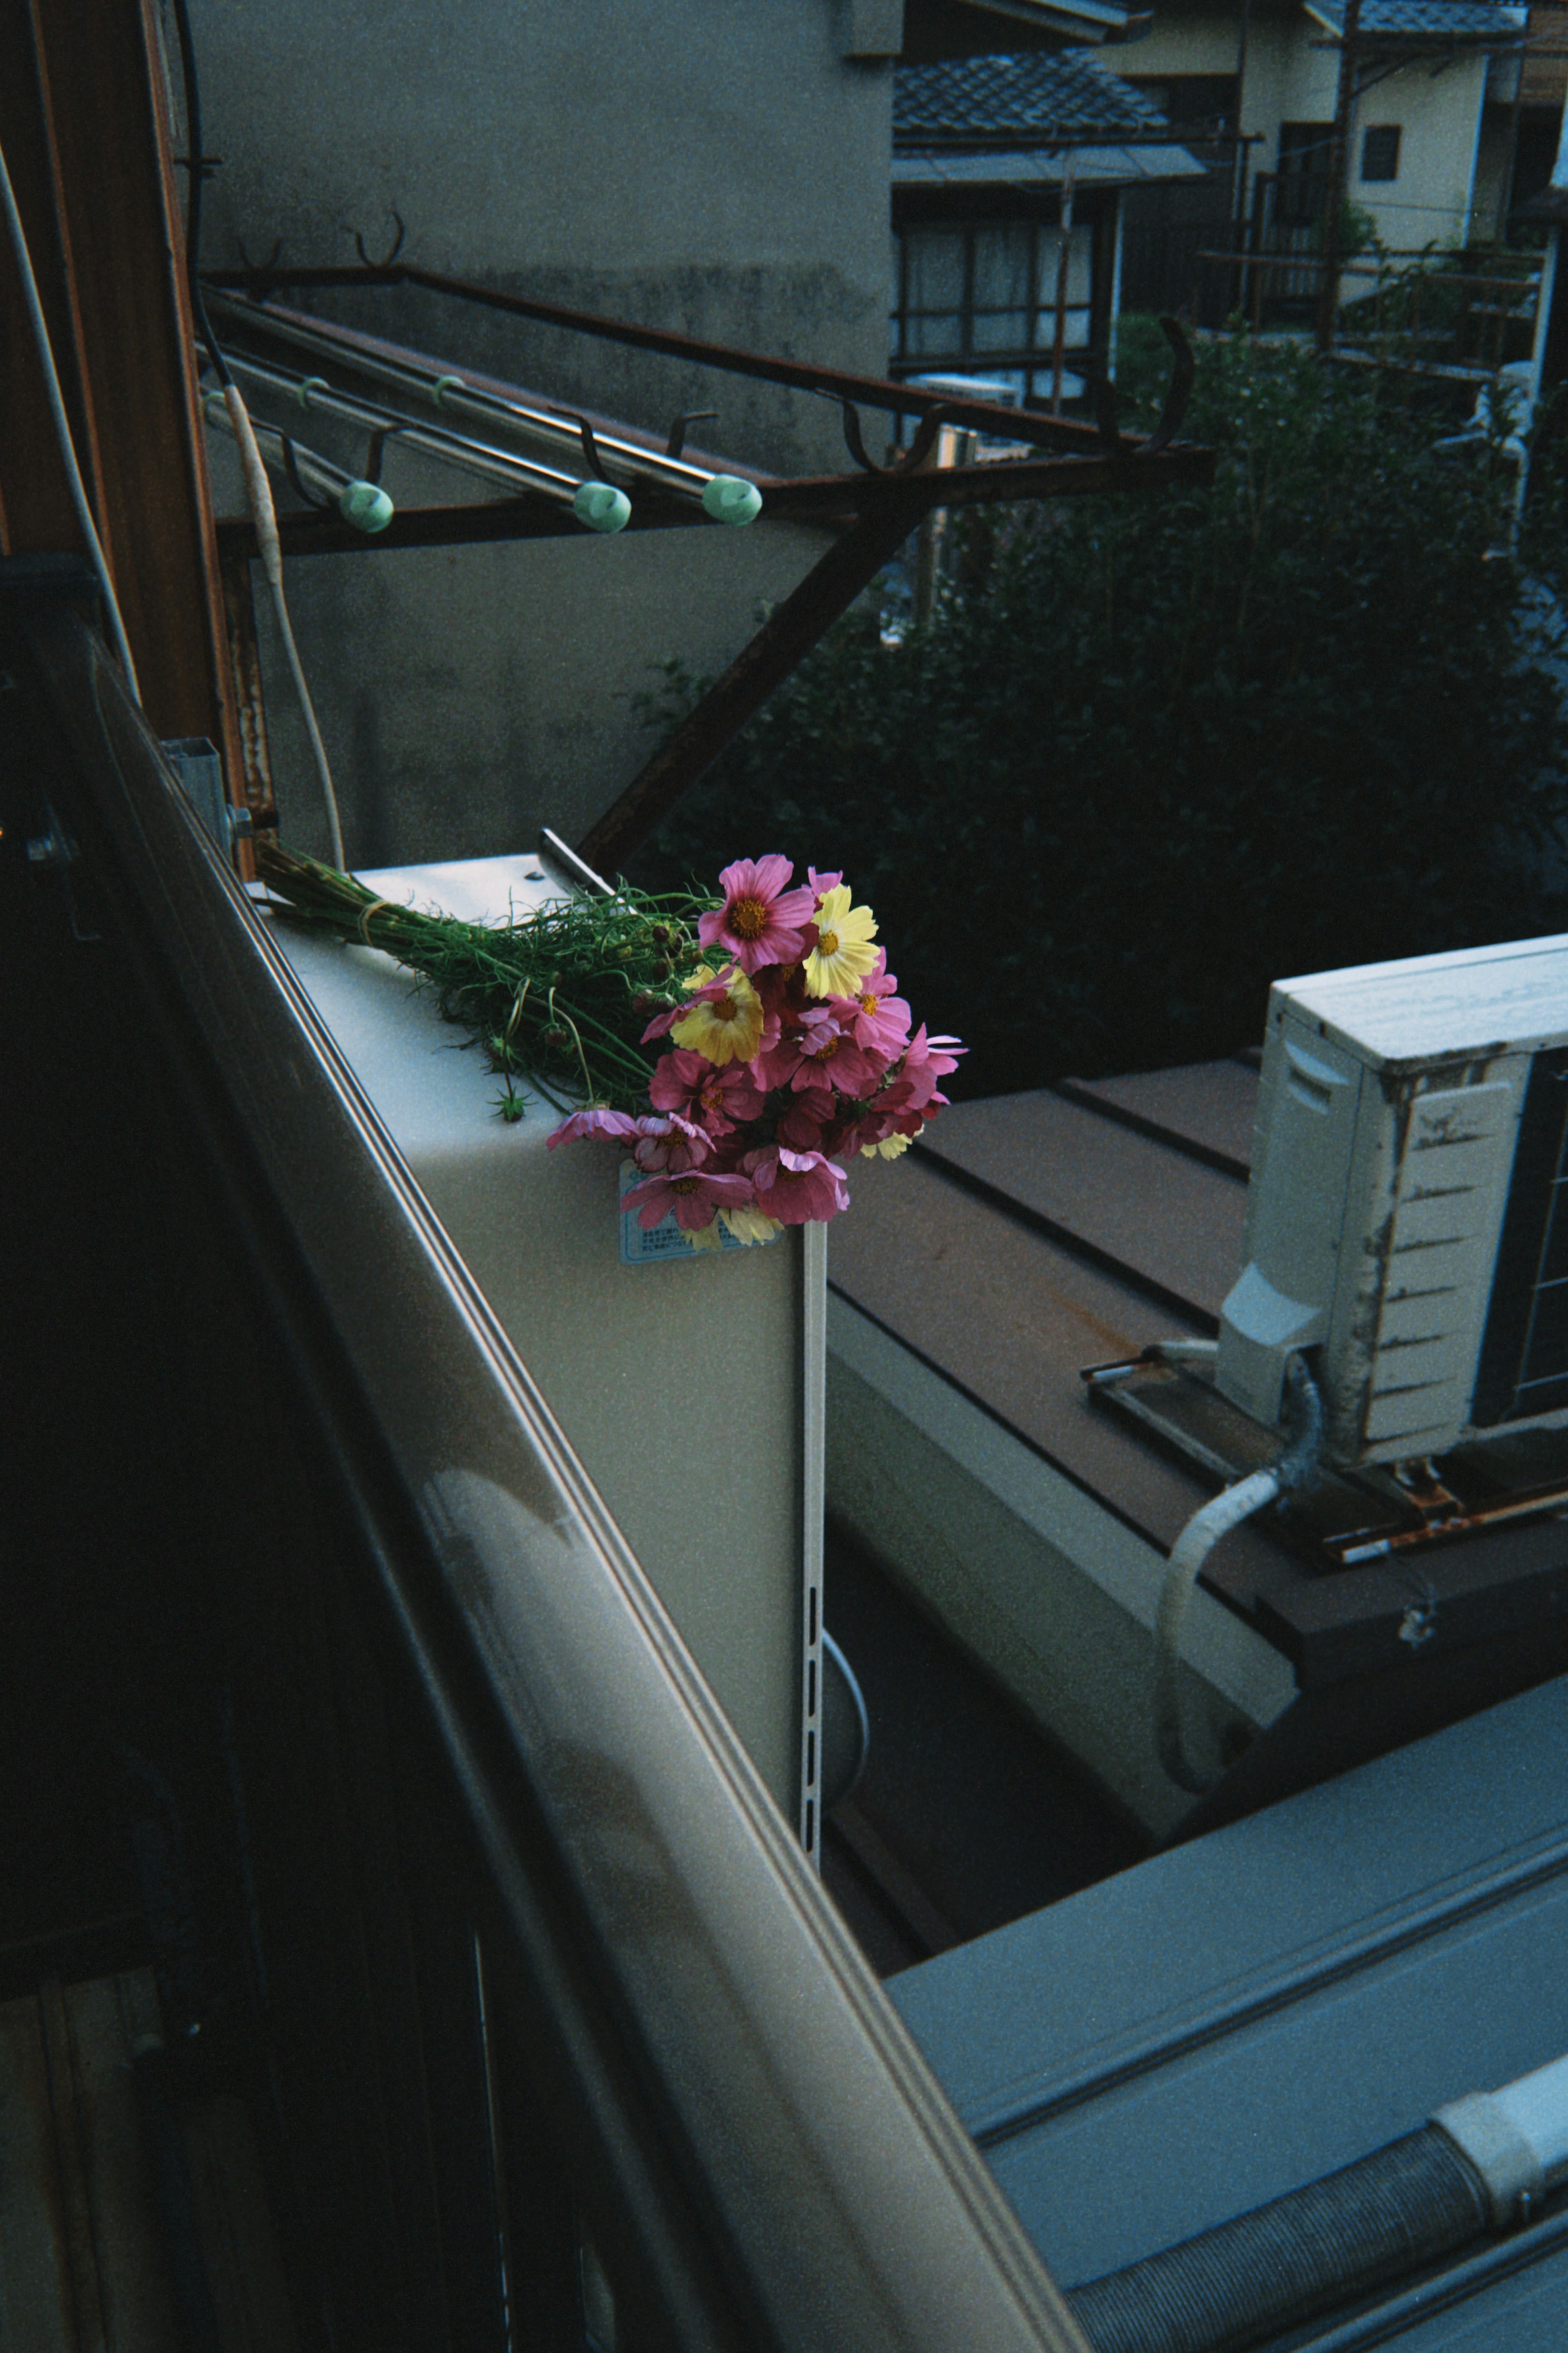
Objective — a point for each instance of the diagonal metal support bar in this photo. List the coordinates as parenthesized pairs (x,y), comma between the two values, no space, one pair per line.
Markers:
(888,510)
(830,588)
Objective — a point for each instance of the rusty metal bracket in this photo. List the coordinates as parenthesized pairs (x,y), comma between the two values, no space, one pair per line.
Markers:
(1182,373)
(1102,399)
(261,272)
(854,441)
(387,260)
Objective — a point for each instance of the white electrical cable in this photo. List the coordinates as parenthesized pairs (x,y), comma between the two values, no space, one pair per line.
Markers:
(62,424)
(258,491)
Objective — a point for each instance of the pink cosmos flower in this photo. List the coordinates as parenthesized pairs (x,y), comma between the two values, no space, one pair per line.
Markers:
(802,1125)
(874,1016)
(695,1198)
(674,1144)
(926,1059)
(796,1186)
(822,884)
(761,920)
(850,1125)
(782,987)
(595,1120)
(826,1050)
(718,1098)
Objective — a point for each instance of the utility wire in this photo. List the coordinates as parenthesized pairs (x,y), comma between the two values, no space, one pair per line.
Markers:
(62,424)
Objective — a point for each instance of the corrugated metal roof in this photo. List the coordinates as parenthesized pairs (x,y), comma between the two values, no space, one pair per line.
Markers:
(1035,99)
(1472,21)
(1108,167)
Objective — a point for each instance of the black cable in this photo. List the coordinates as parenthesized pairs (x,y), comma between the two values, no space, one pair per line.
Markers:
(197,169)
(1364,2226)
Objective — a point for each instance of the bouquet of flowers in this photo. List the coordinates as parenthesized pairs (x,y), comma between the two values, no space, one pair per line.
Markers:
(789,1052)
(741,1054)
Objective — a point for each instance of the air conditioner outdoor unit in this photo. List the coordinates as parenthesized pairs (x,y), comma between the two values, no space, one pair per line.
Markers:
(1404,1224)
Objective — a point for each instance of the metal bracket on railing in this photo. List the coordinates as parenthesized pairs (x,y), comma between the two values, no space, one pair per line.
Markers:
(925,439)
(53,852)
(262,268)
(387,260)
(297,481)
(198,770)
(595,464)
(1180,389)
(854,441)
(677,441)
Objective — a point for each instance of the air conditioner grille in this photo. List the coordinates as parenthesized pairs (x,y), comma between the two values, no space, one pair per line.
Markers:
(1524,1356)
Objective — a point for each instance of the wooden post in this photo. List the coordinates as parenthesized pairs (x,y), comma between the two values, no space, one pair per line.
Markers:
(82,115)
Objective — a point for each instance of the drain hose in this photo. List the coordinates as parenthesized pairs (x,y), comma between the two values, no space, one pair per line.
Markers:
(1354,2230)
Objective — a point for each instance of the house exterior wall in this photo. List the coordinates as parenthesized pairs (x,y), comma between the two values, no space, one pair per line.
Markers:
(723,171)
(1291,77)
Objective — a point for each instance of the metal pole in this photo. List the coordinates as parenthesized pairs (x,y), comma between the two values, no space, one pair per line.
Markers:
(1058,339)
(1239,165)
(1510,158)
(1339,177)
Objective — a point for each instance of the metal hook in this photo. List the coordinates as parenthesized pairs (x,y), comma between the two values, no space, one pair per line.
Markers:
(1103,397)
(1180,392)
(387,260)
(590,447)
(377,451)
(853,440)
(295,481)
(677,441)
(924,440)
(260,269)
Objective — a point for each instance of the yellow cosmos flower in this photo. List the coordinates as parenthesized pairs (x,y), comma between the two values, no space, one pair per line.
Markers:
(888,1149)
(725,1023)
(750,1225)
(843,955)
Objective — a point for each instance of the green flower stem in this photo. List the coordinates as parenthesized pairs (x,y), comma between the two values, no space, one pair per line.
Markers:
(563,997)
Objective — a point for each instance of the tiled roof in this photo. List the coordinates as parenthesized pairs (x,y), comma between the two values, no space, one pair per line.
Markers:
(1466,20)
(1032,98)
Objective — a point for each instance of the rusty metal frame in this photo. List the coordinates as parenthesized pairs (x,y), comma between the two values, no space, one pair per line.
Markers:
(873,509)
(836,384)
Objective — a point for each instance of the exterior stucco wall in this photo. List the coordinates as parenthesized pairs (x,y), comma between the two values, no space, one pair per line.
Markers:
(1440,115)
(722,170)
(1291,77)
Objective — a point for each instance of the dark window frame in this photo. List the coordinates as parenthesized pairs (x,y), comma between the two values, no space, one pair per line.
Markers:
(967,210)
(1389,136)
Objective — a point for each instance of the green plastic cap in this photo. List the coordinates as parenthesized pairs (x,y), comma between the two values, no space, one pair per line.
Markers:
(602,507)
(365,505)
(730,500)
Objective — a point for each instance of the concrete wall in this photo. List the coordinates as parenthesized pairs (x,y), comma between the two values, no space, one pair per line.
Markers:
(721,169)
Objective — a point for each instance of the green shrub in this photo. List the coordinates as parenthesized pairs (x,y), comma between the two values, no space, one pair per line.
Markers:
(1160,750)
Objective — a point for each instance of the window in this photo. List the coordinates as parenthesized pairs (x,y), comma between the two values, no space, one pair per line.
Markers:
(1379,151)
(983,294)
